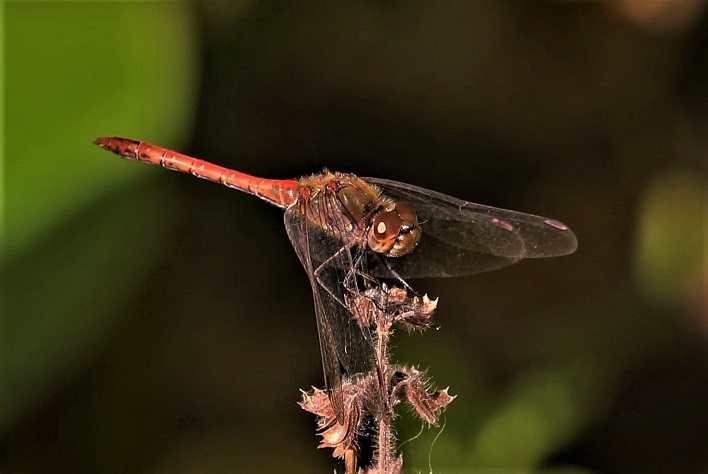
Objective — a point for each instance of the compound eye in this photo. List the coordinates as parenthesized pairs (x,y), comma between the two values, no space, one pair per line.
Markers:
(407,214)
(409,236)
(384,231)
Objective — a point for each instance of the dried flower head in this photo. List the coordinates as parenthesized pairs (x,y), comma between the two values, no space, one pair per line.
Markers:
(409,386)
(373,395)
(395,304)
(339,436)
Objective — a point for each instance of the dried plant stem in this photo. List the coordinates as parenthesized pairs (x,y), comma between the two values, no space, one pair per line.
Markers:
(384,437)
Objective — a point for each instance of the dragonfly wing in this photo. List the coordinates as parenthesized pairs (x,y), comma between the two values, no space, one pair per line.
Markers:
(345,347)
(434,257)
(462,238)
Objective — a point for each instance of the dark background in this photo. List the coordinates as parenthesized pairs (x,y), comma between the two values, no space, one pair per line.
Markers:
(157,323)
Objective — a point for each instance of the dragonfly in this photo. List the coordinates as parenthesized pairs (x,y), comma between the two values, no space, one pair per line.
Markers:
(346,229)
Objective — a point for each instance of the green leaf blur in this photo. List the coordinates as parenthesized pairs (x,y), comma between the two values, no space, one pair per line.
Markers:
(70,79)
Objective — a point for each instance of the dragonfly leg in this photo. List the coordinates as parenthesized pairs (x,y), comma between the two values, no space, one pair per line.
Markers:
(348,282)
(327,263)
(396,275)
(358,264)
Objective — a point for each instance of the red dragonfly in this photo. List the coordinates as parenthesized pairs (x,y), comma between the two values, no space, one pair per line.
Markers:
(345,229)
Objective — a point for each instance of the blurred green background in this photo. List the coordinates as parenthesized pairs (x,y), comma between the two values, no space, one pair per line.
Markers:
(154,323)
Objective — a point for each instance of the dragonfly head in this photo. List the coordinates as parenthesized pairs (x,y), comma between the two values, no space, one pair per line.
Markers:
(395,232)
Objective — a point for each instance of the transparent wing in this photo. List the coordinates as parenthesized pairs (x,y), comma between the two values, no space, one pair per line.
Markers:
(345,347)
(462,238)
